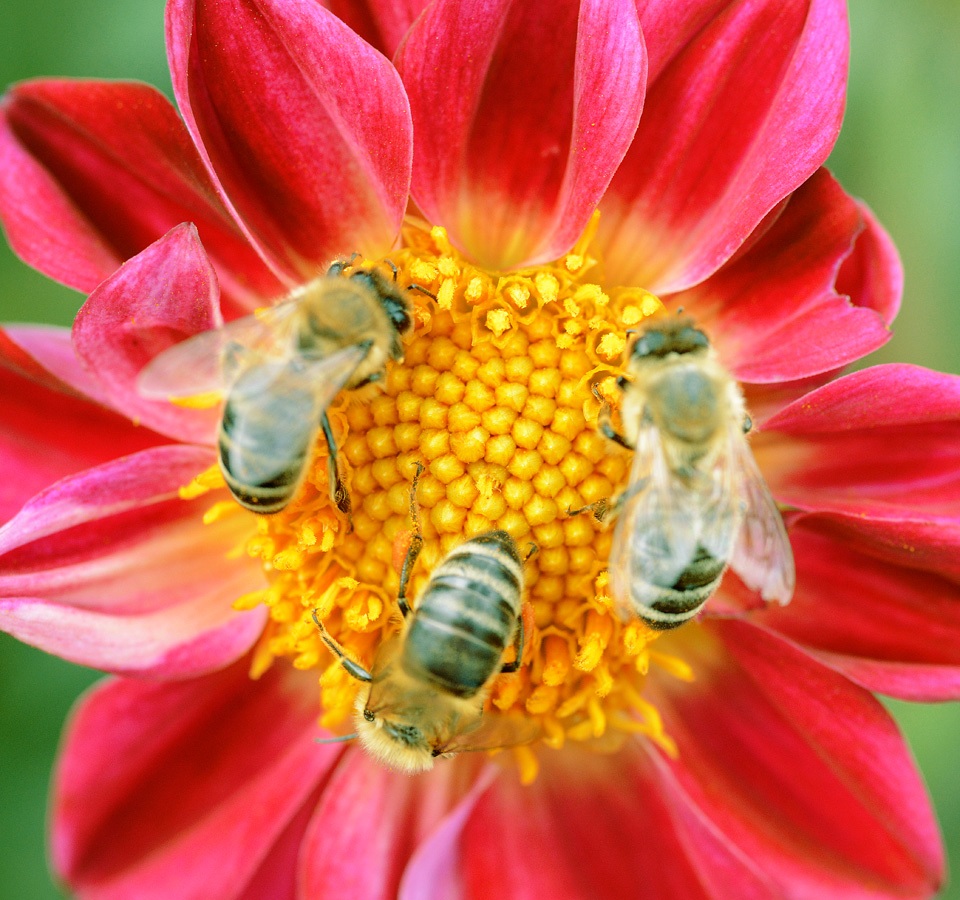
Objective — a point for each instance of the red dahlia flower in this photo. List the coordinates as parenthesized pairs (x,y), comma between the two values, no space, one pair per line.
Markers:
(503,164)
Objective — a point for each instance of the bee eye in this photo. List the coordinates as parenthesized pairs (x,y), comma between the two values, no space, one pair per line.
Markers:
(622,382)
(368,715)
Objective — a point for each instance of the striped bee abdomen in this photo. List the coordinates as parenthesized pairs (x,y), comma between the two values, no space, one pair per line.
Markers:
(265,435)
(467,615)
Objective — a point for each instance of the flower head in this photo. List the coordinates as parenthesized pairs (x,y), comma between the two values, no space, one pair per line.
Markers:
(547,177)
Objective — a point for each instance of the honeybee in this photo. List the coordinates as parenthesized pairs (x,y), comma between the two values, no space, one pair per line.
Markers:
(280,369)
(696,500)
(425,692)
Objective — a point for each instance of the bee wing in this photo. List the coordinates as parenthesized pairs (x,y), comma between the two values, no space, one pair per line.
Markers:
(322,379)
(203,363)
(721,501)
(494,731)
(657,529)
(303,388)
(762,555)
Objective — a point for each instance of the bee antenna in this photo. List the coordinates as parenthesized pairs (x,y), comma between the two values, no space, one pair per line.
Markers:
(336,740)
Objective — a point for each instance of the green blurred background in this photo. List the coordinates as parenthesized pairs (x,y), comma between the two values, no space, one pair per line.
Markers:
(900,150)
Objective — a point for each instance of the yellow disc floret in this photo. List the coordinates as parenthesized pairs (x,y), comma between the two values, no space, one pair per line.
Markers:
(494,398)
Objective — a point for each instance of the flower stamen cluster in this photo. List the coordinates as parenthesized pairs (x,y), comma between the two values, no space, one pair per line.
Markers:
(494,398)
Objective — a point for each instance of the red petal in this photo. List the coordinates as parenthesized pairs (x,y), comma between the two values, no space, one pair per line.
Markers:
(741,115)
(162,557)
(204,778)
(381,23)
(369,822)
(802,770)
(181,641)
(304,127)
(670,25)
(599,827)
(92,172)
(774,312)
(45,355)
(161,296)
(881,443)
(117,487)
(872,276)
(104,569)
(433,872)
(518,137)
(889,628)
(48,433)
(276,878)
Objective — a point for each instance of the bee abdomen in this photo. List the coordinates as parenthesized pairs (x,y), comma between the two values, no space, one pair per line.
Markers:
(467,615)
(681,601)
(263,446)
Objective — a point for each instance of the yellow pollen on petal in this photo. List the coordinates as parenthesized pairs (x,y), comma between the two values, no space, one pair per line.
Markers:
(494,400)
(198,401)
(208,480)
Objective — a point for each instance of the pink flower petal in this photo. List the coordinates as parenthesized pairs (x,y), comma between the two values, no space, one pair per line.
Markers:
(927,545)
(277,876)
(881,443)
(45,354)
(891,629)
(92,172)
(381,23)
(160,297)
(182,641)
(598,827)
(743,113)
(774,312)
(125,485)
(106,570)
(40,432)
(177,789)
(670,25)
(515,148)
(872,275)
(304,127)
(433,872)
(162,555)
(802,770)
(370,820)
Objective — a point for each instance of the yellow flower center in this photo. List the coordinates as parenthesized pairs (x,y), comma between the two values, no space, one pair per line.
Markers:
(494,399)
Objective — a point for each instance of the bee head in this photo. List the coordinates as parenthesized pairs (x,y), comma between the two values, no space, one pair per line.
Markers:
(669,336)
(395,743)
(398,312)
(391,297)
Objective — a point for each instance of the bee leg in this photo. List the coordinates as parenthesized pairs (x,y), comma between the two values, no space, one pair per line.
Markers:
(422,289)
(416,544)
(600,509)
(604,423)
(353,668)
(338,492)
(509,667)
(609,506)
(608,431)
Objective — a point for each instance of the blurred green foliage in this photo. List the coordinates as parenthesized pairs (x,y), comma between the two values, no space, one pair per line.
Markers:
(900,150)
